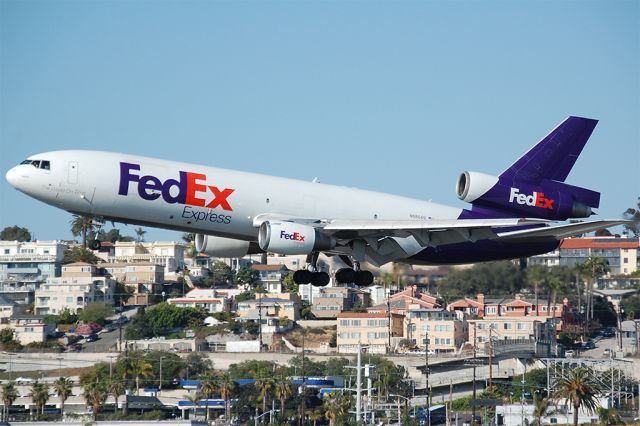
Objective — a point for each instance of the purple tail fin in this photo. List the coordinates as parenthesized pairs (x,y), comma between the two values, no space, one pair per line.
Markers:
(553,157)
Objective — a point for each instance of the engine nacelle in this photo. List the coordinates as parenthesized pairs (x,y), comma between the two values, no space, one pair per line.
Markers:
(547,199)
(292,238)
(224,247)
(473,185)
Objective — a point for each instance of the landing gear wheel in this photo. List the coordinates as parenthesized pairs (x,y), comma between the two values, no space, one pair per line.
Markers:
(320,279)
(364,278)
(346,276)
(302,276)
(94,245)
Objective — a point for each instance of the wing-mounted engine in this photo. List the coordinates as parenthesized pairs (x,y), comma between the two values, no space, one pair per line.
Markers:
(224,247)
(293,238)
(548,199)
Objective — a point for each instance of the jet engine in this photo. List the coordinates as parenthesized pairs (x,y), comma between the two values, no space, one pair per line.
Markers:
(292,238)
(224,247)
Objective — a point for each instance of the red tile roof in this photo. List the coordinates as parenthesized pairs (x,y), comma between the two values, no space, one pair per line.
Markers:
(583,243)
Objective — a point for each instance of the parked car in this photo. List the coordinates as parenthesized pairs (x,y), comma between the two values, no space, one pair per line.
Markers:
(92,338)
(589,345)
(23,380)
(608,353)
(569,354)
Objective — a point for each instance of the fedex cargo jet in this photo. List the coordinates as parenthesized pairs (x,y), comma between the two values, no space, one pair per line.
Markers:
(235,213)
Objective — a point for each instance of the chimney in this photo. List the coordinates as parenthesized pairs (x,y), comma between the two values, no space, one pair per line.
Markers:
(481,298)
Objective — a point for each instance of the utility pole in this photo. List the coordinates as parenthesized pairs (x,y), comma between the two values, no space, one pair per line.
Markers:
(160,384)
(426,375)
(490,356)
(474,370)
(389,321)
(359,385)
(260,323)
(304,400)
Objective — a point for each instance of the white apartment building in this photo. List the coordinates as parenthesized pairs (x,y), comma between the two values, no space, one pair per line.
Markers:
(208,299)
(29,328)
(170,255)
(81,284)
(446,331)
(33,261)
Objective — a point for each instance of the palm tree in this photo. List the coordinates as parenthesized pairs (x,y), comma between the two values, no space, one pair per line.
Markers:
(96,395)
(283,392)
(226,386)
(140,233)
(39,395)
(207,389)
(579,389)
(336,407)
(265,386)
(194,399)
(540,406)
(9,395)
(62,387)
(609,416)
(536,275)
(83,225)
(140,367)
(115,388)
(314,416)
(595,267)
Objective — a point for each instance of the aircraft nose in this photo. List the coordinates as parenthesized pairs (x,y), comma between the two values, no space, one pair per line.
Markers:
(12,177)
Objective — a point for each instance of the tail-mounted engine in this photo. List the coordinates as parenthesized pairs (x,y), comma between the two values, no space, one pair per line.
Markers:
(548,200)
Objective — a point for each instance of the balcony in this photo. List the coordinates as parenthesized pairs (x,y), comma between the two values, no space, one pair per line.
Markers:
(24,257)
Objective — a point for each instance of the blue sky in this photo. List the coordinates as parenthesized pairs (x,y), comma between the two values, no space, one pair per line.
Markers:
(397,97)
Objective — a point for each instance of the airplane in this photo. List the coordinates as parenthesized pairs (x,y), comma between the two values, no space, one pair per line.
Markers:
(235,213)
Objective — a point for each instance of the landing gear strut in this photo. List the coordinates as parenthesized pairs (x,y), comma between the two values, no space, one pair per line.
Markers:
(311,275)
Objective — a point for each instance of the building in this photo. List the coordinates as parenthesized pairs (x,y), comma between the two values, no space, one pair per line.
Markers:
(30,328)
(9,308)
(375,330)
(204,298)
(621,253)
(511,329)
(271,276)
(33,261)
(144,278)
(282,305)
(483,307)
(80,285)
(406,300)
(330,301)
(169,255)
(447,332)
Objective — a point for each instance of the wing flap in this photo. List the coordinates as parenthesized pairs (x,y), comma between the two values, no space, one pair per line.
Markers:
(562,231)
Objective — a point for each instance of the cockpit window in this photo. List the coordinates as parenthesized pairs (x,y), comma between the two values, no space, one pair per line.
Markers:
(39,164)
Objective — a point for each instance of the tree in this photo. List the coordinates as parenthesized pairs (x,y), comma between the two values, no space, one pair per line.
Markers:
(140,368)
(632,214)
(9,395)
(489,278)
(140,233)
(207,389)
(198,364)
(95,312)
(540,407)
(194,399)
(96,395)
(79,254)
(115,388)
(288,284)
(579,389)
(335,408)
(85,226)
(15,233)
(283,391)
(536,276)
(314,416)
(39,395)
(595,267)
(265,386)
(227,386)
(62,387)
(222,274)
(609,416)
(112,236)
(247,275)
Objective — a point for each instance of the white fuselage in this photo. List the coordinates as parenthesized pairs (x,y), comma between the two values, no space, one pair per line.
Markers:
(201,199)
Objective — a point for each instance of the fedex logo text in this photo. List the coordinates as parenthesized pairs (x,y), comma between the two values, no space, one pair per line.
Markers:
(190,188)
(536,200)
(296,236)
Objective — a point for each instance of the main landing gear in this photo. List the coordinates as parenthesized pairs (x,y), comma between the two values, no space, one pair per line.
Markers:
(312,276)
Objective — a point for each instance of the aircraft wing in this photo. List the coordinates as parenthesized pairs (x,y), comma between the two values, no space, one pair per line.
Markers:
(562,231)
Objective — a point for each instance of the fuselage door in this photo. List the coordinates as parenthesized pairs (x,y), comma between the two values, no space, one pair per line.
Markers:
(73,172)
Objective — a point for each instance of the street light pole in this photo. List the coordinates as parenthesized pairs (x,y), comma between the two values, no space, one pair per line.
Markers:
(160,384)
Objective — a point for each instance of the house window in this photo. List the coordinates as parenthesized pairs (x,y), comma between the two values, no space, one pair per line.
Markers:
(507,326)
(521,326)
(355,323)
